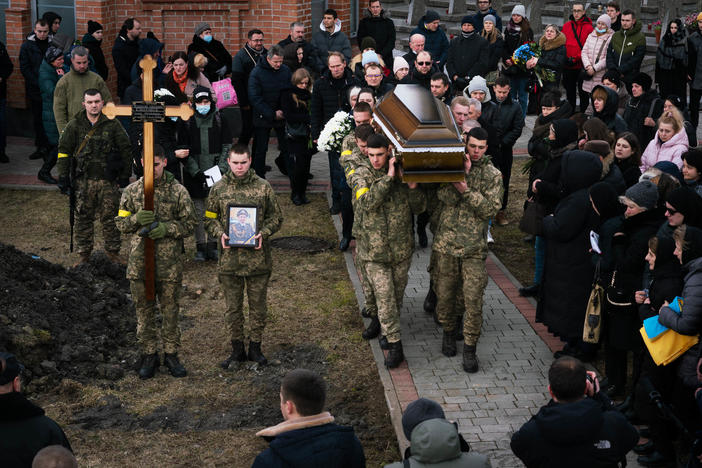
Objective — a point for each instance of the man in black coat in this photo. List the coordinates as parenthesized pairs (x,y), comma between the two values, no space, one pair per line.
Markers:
(467,54)
(125,53)
(6,68)
(31,55)
(267,82)
(416,45)
(24,429)
(296,39)
(308,436)
(380,28)
(242,65)
(578,427)
(219,60)
(508,122)
(421,70)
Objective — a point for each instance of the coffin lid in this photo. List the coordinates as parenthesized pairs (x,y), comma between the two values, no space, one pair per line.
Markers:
(415,121)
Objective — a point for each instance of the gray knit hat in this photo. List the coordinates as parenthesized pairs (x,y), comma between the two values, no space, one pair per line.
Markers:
(644,194)
(490,18)
(519,10)
(201,27)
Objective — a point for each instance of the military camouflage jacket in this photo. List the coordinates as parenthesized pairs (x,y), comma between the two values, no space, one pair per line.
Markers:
(107,154)
(172,207)
(464,217)
(249,190)
(386,206)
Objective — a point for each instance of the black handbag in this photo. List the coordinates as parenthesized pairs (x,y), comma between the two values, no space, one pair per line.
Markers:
(616,295)
(532,219)
(297,129)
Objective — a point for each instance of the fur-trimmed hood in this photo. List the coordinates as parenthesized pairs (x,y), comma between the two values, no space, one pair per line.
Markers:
(554,43)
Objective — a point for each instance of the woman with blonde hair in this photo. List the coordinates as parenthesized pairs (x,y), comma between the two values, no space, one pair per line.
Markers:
(669,143)
(295,104)
(495,45)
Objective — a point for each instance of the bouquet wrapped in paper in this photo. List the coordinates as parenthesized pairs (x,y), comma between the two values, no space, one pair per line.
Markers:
(523,53)
(333,133)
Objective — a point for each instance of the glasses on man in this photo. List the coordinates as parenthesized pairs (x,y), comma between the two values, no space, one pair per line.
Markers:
(375,75)
(423,64)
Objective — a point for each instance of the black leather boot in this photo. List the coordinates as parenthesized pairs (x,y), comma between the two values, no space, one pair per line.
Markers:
(395,355)
(470,360)
(255,353)
(174,366)
(430,300)
(383,342)
(373,329)
(238,354)
(201,253)
(448,345)
(149,363)
(529,291)
(212,253)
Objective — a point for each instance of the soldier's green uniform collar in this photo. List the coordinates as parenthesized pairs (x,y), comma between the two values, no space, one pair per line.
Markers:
(248,177)
(165,178)
(84,116)
(481,162)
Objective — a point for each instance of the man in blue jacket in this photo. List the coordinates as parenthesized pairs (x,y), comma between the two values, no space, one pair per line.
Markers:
(308,436)
(267,82)
(436,41)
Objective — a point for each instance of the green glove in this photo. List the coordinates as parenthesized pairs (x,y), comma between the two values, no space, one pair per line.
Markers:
(158,232)
(145,217)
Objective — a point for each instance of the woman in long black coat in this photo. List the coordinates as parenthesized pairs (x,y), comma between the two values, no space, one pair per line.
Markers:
(295,104)
(568,272)
(671,61)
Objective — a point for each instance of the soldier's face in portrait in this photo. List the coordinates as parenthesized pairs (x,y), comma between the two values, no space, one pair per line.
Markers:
(93,104)
(476,148)
(239,163)
(378,157)
(242,218)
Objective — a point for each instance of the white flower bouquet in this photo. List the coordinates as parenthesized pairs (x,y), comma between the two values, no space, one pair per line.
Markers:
(333,133)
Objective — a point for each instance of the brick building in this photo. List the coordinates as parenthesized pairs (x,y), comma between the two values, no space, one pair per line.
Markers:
(172,21)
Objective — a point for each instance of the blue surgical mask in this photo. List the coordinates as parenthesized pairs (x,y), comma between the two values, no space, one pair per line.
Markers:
(601,31)
(174,119)
(207,38)
(202,109)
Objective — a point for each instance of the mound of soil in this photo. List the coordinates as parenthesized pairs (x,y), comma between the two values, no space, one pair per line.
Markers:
(77,323)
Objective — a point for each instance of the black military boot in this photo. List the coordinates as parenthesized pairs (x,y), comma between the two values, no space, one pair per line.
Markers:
(174,366)
(365,313)
(201,253)
(212,253)
(448,344)
(238,354)
(383,342)
(373,329)
(149,363)
(470,360)
(430,300)
(255,353)
(395,355)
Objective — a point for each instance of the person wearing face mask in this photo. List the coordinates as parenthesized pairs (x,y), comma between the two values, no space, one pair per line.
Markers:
(594,54)
(671,61)
(207,138)
(669,143)
(219,60)
(467,54)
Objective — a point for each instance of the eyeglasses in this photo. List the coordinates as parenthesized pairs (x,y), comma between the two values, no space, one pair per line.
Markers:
(423,64)
(671,211)
(376,75)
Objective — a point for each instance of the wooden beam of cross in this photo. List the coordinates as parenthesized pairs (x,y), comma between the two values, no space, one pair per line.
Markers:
(148,112)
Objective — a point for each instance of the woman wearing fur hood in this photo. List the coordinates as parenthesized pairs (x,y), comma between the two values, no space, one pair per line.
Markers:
(553,55)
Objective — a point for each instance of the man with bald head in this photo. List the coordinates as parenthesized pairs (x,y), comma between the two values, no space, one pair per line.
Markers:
(416,45)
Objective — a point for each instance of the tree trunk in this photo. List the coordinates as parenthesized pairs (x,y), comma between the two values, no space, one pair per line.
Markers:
(534,9)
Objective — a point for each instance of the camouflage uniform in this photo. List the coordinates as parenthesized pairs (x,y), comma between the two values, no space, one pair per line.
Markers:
(174,208)
(104,159)
(385,206)
(244,267)
(351,158)
(461,247)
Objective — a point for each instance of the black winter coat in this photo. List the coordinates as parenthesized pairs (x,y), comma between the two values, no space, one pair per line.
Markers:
(328,96)
(415,77)
(584,434)
(95,48)
(629,169)
(297,113)
(467,57)
(243,64)
(124,55)
(30,58)
(549,190)
(612,175)
(649,104)
(553,57)
(325,445)
(266,85)
(216,54)
(537,147)
(6,68)
(382,30)
(513,39)
(568,272)
(667,283)
(495,53)
(308,56)
(24,430)
(508,122)
(609,113)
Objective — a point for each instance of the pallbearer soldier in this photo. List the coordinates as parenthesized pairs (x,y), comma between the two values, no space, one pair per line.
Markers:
(241,267)
(385,207)
(99,150)
(460,246)
(172,219)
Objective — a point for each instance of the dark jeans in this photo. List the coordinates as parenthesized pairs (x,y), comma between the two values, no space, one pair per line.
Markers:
(336,175)
(571,83)
(503,162)
(40,139)
(3,125)
(695,95)
(246,126)
(298,168)
(49,160)
(260,147)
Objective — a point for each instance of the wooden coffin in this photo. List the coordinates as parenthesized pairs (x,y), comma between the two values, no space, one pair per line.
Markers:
(424,134)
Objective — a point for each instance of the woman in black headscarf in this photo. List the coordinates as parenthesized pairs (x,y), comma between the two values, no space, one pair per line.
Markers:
(671,61)
(683,206)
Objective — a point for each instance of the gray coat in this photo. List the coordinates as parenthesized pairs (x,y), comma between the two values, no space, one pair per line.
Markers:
(694,51)
(324,42)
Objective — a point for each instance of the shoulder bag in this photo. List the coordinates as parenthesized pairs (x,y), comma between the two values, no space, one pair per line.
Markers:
(593,314)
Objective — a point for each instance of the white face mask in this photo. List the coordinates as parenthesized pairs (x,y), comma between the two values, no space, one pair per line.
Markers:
(174,119)
(202,109)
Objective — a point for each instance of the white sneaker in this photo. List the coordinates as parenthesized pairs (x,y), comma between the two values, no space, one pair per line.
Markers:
(490,240)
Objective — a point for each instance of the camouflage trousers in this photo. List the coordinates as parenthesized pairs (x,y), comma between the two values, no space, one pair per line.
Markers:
(256,290)
(368,294)
(388,282)
(96,198)
(460,280)
(168,295)
(201,236)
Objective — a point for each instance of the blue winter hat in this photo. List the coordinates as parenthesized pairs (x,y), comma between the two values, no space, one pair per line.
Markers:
(369,56)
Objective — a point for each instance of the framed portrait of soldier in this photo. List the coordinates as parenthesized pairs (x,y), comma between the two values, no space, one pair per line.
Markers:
(242,225)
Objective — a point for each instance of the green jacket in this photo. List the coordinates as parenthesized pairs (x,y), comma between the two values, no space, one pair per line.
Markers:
(386,206)
(626,51)
(172,207)
(463,222)
(250,190)
(68,95)
(107,154)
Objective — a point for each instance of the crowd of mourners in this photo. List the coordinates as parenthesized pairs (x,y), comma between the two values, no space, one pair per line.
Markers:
(614,195)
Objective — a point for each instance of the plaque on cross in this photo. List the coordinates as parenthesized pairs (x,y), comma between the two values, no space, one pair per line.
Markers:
(148,112)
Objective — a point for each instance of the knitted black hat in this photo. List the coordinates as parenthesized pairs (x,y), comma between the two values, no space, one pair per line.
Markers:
(94,26)
(419,411)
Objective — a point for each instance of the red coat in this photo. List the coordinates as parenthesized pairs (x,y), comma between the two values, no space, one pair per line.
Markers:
(582,28)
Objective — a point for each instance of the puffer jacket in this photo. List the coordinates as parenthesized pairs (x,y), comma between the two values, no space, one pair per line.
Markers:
(435,42)
(553,55)
(48,77)
(672,51)
(266,85)
(694,53)
(671,150)
(325,42)
(576,33)
(590,57)
(626,51)
(328,96)
(217,57)
(96,53)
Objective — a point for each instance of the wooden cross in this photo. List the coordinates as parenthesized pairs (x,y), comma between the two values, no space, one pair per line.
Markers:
(148,111)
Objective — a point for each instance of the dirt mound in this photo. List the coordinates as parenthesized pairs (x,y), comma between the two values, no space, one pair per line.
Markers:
(77,323)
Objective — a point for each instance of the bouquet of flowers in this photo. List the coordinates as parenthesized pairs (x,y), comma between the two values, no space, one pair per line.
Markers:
(523,53)
(333,133)
(690,22)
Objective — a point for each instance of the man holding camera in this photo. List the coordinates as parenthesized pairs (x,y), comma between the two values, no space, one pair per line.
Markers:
(578,427)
